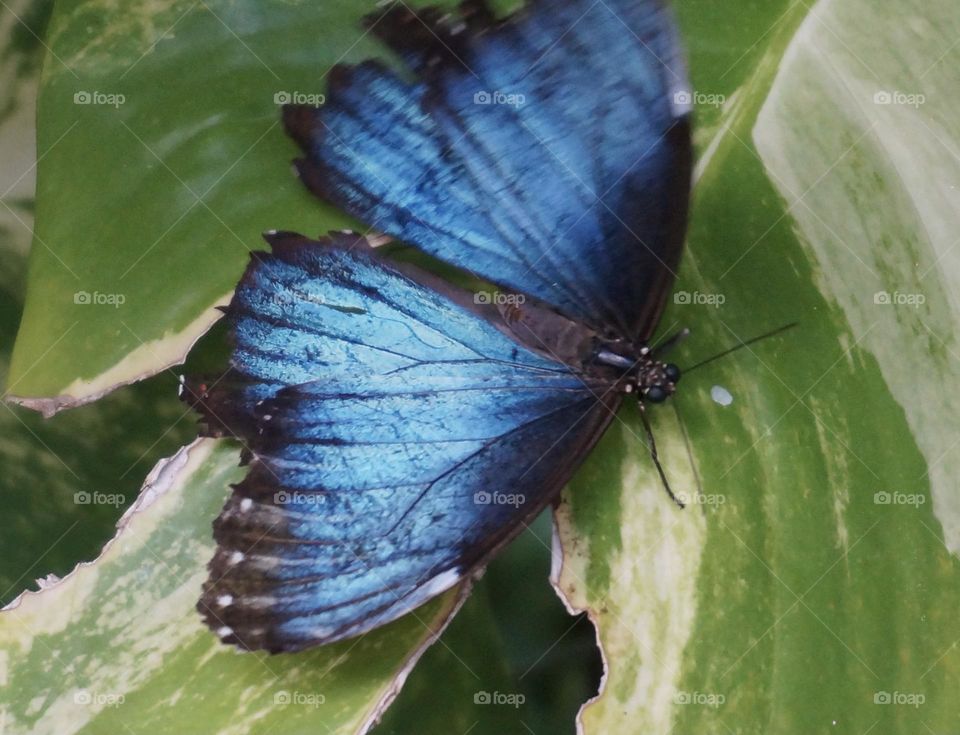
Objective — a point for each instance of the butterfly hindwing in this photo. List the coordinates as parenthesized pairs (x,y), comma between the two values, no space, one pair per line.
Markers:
(424,440)
(549,153)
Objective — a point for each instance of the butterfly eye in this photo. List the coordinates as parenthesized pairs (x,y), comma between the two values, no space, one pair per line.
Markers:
(656,394)
(672,372)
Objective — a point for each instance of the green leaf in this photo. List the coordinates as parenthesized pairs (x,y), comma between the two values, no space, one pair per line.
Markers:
(61,493)
(48,465)
(64,481)
(162,159)
(118,647)
(812,584)
(467,663)
(511,661)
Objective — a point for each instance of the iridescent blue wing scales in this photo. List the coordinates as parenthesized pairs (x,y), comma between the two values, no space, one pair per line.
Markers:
(549,153)
(396,439)
(397,433)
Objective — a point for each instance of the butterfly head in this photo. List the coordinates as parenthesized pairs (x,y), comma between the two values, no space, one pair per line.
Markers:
(657,381)
(653,380)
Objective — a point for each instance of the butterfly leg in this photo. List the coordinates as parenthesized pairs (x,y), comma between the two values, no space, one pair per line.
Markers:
(686,442)
(652,444)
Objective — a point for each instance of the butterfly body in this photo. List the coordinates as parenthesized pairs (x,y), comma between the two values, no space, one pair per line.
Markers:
(400,430)
(625,366)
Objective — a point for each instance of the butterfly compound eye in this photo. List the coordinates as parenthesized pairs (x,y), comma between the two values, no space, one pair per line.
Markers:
(672,372)
(656,394)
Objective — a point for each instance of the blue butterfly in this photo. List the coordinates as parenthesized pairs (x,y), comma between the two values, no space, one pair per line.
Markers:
(401,430)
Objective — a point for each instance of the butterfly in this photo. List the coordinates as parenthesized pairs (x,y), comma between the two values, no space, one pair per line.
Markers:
(400,430)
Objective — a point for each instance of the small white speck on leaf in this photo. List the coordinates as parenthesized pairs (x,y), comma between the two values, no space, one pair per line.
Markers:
(721,395)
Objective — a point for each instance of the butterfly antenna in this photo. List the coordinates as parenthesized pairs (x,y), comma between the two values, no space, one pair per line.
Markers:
(749,342)
(670,342)
(656,458)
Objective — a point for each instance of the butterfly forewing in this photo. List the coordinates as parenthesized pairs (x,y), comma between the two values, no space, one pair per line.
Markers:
(549,153)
